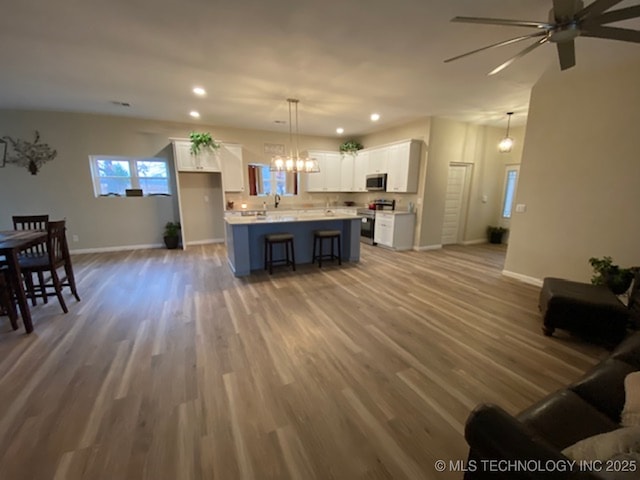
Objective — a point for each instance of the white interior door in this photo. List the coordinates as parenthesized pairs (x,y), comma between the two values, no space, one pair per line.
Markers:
(454,206)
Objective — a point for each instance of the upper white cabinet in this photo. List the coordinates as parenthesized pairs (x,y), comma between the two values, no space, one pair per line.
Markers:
(232,168)
(329,177)
(403,166)
(348,173)
(378,158)
(347,164)
(205,161)
(360,166)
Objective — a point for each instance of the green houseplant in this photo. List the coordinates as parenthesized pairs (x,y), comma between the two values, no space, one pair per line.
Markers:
(172,235)
(202,140)
(496,234)
(605,272)
(351,147)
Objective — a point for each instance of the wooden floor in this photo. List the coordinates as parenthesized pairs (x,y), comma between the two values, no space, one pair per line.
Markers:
(171,368)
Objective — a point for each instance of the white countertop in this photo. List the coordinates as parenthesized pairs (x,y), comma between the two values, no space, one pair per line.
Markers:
(287,218)
(395,212)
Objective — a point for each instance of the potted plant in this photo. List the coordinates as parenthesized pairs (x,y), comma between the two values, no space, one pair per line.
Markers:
(605,272)
(496,234)
(351,147)
(172,235)
(202,140)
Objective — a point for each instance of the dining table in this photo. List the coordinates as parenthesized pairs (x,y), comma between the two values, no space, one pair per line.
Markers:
(12,242)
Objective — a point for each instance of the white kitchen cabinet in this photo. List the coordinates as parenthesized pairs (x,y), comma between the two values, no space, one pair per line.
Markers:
(328,179)
(232,168)
(205,161)
(360,166)
(378,158)
(347,164)
(394,230)
(403,165)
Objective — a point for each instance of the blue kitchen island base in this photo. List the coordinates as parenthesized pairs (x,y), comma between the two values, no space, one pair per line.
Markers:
(245,238)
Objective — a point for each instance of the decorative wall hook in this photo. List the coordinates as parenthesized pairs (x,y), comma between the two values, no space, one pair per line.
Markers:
(31,155)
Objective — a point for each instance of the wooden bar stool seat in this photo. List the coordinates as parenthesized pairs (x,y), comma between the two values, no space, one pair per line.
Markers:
(285,239)
(319,236)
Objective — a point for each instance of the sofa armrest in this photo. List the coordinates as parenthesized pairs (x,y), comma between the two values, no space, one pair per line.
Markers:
(493,434)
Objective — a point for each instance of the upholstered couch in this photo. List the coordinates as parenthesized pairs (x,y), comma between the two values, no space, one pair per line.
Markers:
(590,406)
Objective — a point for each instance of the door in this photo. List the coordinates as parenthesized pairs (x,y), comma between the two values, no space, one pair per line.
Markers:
(455,203)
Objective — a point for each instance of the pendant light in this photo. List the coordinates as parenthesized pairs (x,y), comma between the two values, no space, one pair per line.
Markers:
(506,144)
(294,163)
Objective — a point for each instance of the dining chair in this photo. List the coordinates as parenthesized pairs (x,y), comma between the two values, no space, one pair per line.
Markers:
(32,222)
(57,256)
(7,305)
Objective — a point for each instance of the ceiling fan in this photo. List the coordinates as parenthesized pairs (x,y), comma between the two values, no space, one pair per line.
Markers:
(568,19)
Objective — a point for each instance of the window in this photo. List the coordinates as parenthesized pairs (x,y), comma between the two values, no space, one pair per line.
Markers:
(262,181)
(510,185)
(114,175)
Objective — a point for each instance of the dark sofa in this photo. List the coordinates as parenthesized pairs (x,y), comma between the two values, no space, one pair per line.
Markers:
(588,407)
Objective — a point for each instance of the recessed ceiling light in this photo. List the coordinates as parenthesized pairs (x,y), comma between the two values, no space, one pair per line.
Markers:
(199,91)
(194,114)
(375,117)
(339,130)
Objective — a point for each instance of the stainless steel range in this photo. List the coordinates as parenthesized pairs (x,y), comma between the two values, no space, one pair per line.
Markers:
(368,225)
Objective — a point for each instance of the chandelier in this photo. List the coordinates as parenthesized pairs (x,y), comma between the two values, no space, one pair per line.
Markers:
(506,144)
(294,163)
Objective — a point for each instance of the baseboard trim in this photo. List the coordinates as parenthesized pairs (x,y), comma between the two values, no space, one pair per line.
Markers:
(477,241)
(205,242)
(427,247)
(120,248)
(523,278)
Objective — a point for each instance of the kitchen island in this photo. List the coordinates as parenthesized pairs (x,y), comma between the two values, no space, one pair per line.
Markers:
(245,236)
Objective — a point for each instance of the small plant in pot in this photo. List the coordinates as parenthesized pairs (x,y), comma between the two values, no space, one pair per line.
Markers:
(200,141)
(605,272)
(496,234)
(351,147)
(172,235)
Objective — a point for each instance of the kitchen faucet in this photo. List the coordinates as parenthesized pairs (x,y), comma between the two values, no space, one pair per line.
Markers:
(276,200)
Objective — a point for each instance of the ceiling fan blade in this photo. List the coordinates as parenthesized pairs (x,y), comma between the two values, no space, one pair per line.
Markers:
(499,68)
(596,8)
(502,21)
(612,33)
(566,54)
(499,44)
(564,10)
(614,16)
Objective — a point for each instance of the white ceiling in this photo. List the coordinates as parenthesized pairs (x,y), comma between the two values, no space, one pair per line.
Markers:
(343,59)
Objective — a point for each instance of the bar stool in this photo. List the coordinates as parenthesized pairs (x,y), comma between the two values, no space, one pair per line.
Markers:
(319,236)
(287,240)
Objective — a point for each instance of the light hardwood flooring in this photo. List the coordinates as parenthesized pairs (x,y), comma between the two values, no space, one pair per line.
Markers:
(171,368)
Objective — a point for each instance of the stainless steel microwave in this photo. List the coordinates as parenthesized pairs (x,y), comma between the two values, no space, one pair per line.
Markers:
(377,182)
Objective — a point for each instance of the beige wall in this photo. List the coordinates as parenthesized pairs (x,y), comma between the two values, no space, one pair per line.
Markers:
(63,187)
(580,175)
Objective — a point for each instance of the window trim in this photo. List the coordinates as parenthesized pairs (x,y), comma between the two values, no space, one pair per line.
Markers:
(133,171)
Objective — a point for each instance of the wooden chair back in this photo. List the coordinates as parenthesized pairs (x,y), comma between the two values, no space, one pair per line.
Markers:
(57,243)
(32,222)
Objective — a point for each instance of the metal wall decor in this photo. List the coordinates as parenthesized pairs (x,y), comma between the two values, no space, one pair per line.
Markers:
(31,155)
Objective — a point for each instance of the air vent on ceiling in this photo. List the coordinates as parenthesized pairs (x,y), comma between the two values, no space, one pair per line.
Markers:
(120,104)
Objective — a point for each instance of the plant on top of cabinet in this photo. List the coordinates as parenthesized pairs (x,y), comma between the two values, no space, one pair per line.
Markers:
(202,140)
(351,147)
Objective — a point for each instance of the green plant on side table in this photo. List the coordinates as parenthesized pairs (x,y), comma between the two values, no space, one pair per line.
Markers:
(605,272)
(351,147)
(496,234)
(172,235)
(202,140)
